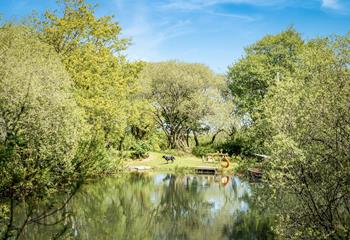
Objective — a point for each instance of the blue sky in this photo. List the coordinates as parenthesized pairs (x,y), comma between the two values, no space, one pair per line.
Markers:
(213,32)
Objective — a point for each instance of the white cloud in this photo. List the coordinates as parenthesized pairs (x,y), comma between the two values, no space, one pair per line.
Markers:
(331,4)
(231,15)
(199,4)
(205,6)
(148,34)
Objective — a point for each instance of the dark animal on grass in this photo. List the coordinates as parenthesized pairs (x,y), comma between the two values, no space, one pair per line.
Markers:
(169,158)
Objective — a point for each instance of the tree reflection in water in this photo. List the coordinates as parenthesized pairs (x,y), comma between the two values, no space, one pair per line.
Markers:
(37,217)
(160,206)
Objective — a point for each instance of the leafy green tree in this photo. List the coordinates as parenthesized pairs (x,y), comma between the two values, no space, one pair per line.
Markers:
(40,122)
(104,81)
(271,59)
(295,95)
(310,117)
(181,96)
(140,126)
(222,117)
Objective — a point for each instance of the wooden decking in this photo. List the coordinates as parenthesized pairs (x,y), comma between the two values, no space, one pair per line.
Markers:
(206,170)
(255,173)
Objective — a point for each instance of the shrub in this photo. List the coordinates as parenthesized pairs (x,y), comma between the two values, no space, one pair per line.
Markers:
(239,144)
(201,151)
(40,123)
(140,150)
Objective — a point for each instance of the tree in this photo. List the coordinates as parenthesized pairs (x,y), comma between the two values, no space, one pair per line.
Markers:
(296,96)
(310,117)
(181,96)
(222,117)
(104,81)
(40,122)
(271,59)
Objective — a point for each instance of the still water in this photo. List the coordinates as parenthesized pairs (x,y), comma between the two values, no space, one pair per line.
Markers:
(152,206)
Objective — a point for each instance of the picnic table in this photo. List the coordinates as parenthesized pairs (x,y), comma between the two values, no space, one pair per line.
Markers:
(218,158)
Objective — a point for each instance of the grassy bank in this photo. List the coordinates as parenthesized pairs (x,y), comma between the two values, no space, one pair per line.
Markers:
(183,161)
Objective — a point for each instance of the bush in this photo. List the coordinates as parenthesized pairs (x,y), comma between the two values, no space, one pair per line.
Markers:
(244,163)
(201,151)
(40,123)
(140,150)
(175,152)
(239,144)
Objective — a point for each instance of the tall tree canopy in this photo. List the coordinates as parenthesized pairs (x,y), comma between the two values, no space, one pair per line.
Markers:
(182,95)
(270,59)
(296,94)
(104,81)
(310,117)
(40,122)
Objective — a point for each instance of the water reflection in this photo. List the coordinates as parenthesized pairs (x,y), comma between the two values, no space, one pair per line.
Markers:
(35,216)
(160,206)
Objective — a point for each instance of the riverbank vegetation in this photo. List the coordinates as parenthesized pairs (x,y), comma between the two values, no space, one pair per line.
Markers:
(296,95)
(73,107)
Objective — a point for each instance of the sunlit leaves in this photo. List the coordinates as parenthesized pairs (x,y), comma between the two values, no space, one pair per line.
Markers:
(91,49)
(310,117)
(41,122)
(182,95)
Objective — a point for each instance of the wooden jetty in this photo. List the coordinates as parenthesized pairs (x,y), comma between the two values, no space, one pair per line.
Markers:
(206,170)
(255,173)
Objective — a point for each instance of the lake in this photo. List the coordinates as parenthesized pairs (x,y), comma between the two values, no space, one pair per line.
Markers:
(150,206)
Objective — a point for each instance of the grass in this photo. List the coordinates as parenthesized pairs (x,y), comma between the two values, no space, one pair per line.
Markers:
(182,161)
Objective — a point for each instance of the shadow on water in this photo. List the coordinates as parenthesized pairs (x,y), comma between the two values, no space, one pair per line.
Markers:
(141,206)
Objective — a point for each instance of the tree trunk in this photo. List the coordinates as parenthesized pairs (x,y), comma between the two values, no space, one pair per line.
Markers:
(177,140)
(187,138)
(196,139)
(121,142)
(214,136)
(172,141)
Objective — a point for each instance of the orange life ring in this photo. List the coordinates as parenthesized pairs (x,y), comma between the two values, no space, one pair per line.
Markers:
(225,180)
(225,163)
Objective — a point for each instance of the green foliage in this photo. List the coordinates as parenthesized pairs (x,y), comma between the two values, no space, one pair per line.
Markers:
(244,163)
(182,96)
(140,150)
(40,122)
(234,146)
(67,100)
(295,98)
(70,98)
(310,115)
(271,59)
(104,81)
(201,151)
